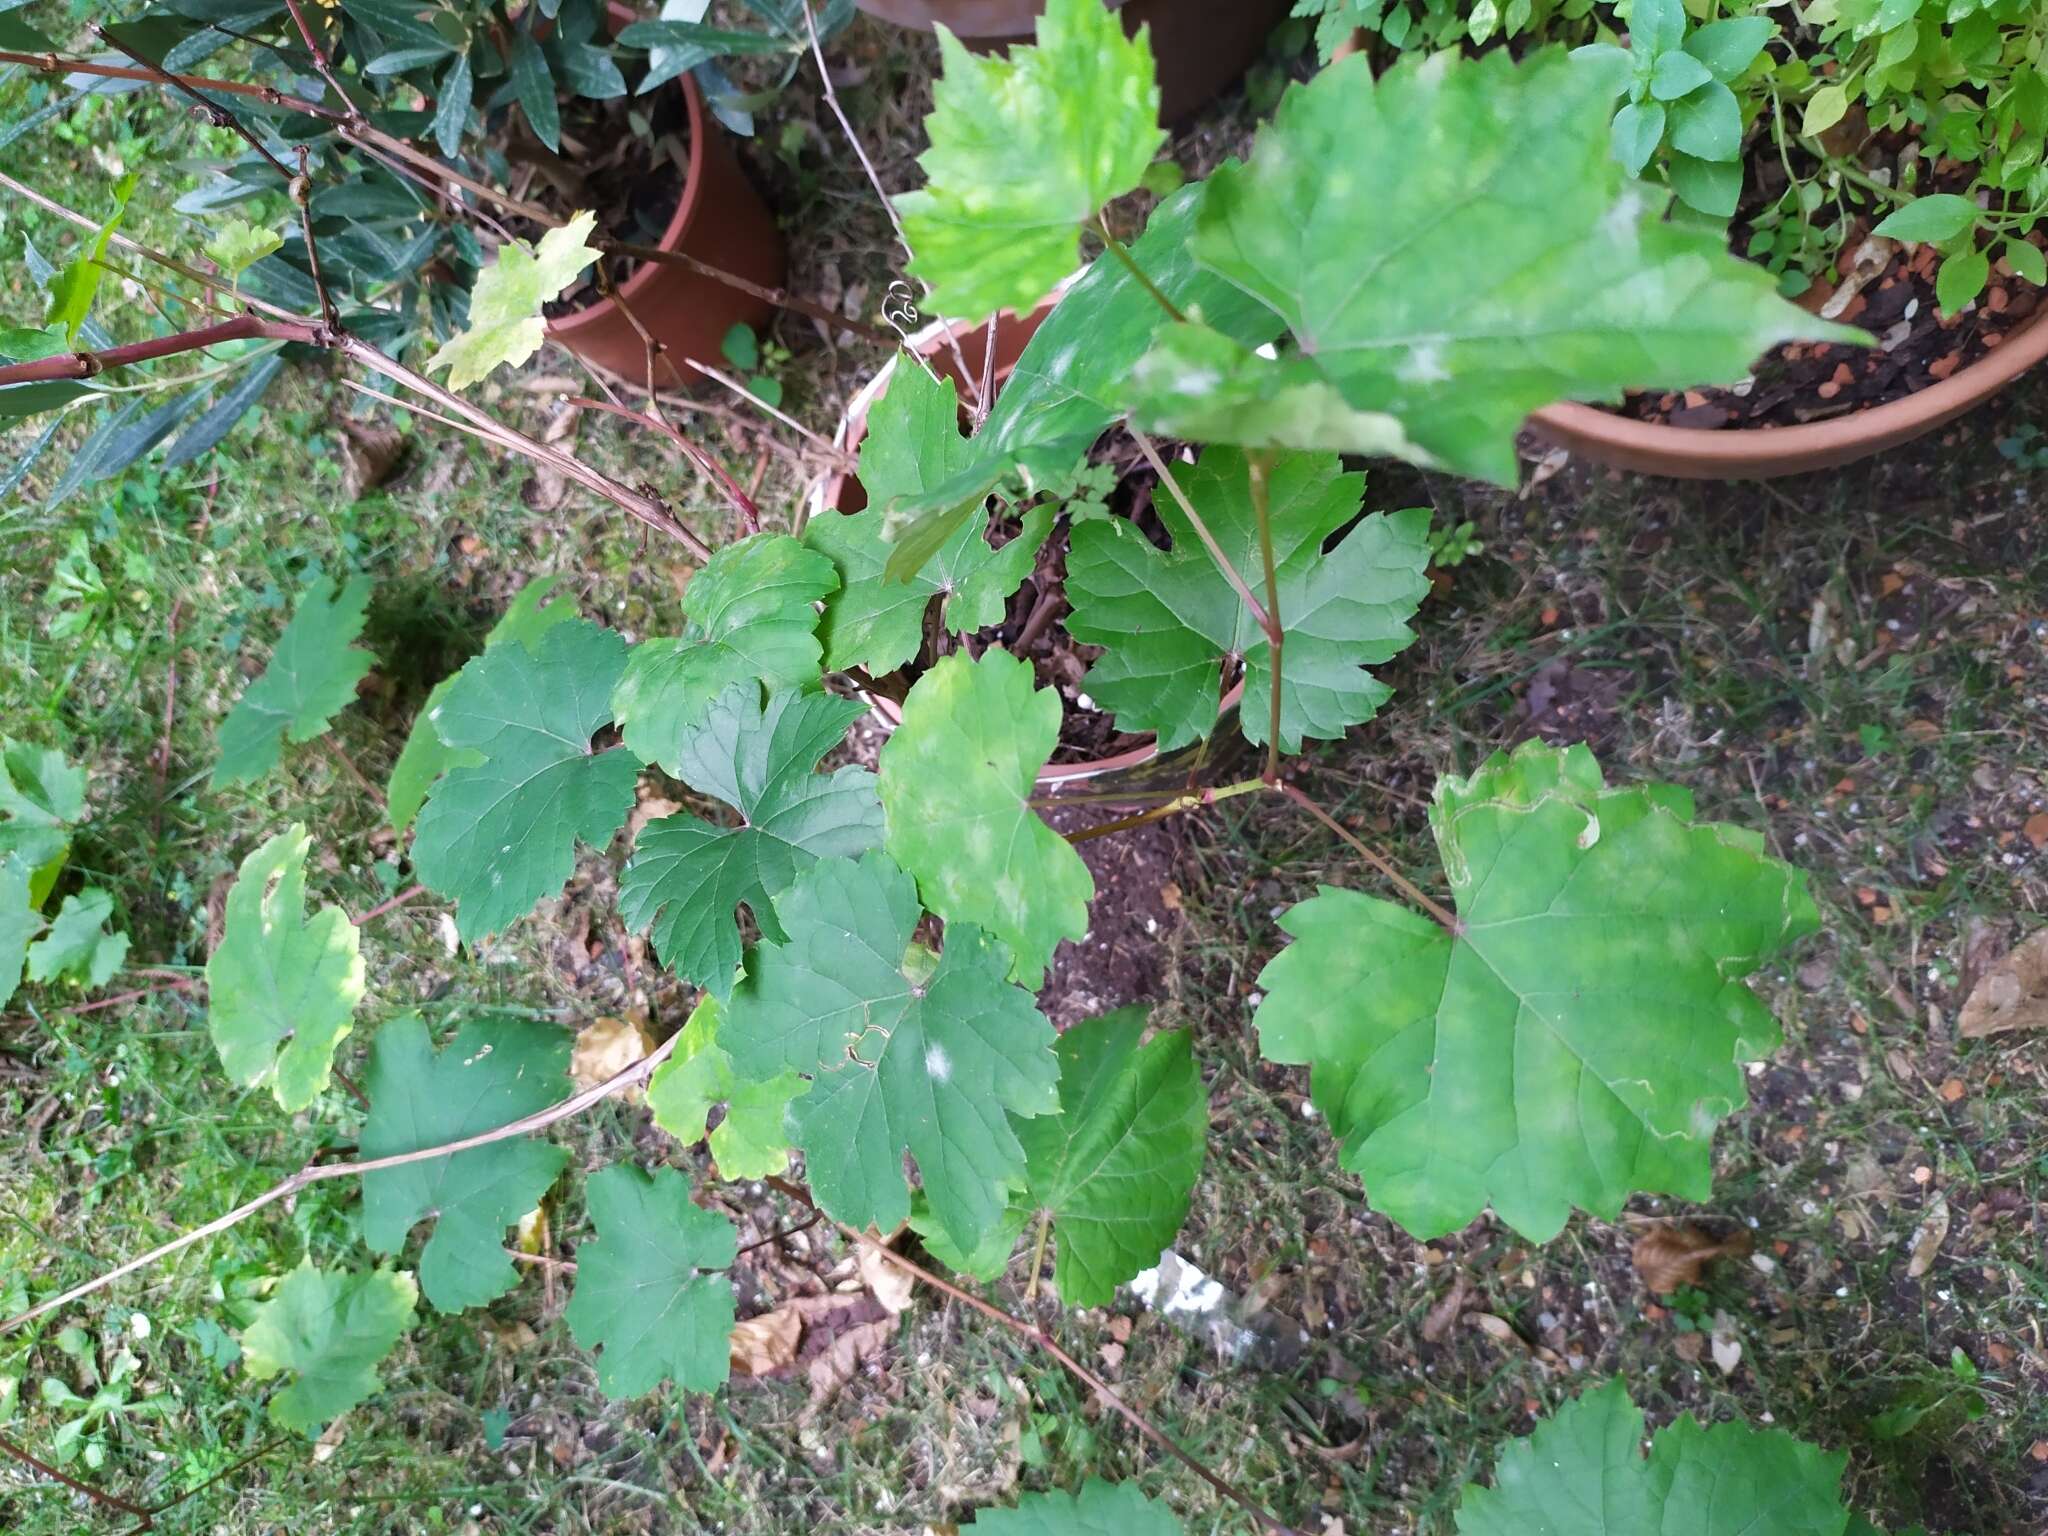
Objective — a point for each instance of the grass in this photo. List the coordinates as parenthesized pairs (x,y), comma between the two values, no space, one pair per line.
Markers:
(1856,665)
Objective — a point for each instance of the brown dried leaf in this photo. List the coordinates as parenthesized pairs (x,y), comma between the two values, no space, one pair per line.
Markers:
(891,1284)
(2013,993)
(606,1047)
(766,1343)
(370,451)
(832,1370)
(1445,1312)
(1674,1256)
(1928,1238)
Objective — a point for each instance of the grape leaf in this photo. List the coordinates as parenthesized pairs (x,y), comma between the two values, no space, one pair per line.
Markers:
(1583,1471)
(238,244)
(329,1330)
(78,947)
(901,1054)
(752,1141)
(1099,1509)
(496,835)
(506,324)
(1023,150)
(687,875)
(1474,254)
(1578,1039)
(281,991)
(954,781)
(1069,382)
(753,617)
(495,1071)
(1113,1169)
(647,1294)
(41,798)
(1168,622)
(425,756)
(311,677)
(876,622)
(19,922)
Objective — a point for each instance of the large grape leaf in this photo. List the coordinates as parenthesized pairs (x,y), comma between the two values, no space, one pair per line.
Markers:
(752,1141)
(493,1072)
(876,622)
(281,991)
(498,834)
(506,322)
(330,1330)
(311,677)
(1452,246)
(78,947)
(1580,1035)
(425,756)
(1023,150)
(20,922)
(688,875)
(902,1055)
(41,798)
(1113,1169)
(753,618)
(648,1295)
(1583,1471)
(1168,622)
(1068,385)
(1099,1509)
(954,781)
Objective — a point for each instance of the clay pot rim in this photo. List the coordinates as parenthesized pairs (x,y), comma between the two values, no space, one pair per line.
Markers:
(1764,452)
(678,224)
(885,712)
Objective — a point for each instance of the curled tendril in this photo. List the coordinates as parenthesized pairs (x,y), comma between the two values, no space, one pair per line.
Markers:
(899,308)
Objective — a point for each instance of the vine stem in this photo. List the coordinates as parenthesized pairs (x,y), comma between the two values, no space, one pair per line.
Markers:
(1258,466)
(1399,881)
(385,906)
(1230,572)
(112,1501)
(709,467)
(1038,1254)
(1194,799)
(217,115)
(1122,253)
(1045,1341)
(87,365)
(315,1173)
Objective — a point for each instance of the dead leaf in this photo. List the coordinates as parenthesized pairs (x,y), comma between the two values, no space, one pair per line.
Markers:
(2013,993)
(330,1440)
(2037,829)
(1928,1237)
(1726,1347)
(832,1370)
(891,1284)
(766,1343)
(1672,1256)
(370,451)
(1445,1312)
(1503,1331)
(606,1047)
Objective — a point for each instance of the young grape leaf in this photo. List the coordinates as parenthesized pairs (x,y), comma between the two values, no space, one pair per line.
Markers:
(499,833)
(647,1294)
(752,1141)
(1169,622)
(495,1071)
(506,324)
(1023,150)
(954,780)
(1583,1471)
(330,1330)
(281,991)
(41,798)
(1577,1039)
(901,1054)
(312,676)
(1067,385)
(1113,1169)
(1099,1509)
(238,244)
(1476,253)
(19,922)
(753,618)
(876,622)
(425,756)
(78,947)
(688,875)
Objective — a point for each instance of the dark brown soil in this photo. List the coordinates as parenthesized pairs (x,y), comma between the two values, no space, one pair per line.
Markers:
(634,182)
(1136,908)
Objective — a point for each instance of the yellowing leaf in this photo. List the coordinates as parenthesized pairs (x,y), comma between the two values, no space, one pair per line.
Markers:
(505,320)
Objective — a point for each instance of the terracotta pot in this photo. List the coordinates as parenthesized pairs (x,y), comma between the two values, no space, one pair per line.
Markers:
(1133,768)
(1202,46)
(1762,453)
(721,221)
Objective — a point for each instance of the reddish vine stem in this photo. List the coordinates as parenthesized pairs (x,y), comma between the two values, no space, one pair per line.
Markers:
(87,365)
(216,114)
(740,501)
(321,63)
(1257,466)
(1045,1341)
(99,1496)
(1399,881)
(302,194)
(385,906)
